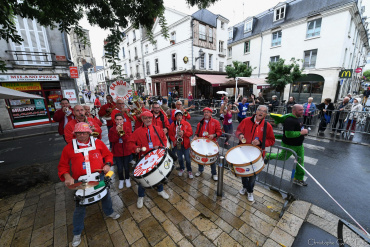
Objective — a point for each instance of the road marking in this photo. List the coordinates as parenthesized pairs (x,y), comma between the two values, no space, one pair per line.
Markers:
(310,146)
(279,172)
(307,160)
(59,138)
(9,150)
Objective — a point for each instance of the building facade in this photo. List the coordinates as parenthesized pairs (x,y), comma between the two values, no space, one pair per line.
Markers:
(328,36)
(38,65)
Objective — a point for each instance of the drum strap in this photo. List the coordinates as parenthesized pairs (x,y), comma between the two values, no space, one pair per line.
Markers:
(264,136)
(173,156)
(159,137)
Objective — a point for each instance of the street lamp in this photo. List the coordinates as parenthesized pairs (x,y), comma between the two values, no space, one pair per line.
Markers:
(201,53)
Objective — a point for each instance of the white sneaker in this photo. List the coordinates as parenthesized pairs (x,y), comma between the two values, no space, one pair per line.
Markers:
(309,128)
(250,197)
(120,186)
(140,202)
(191,175)
(215,177)
(76,240)
(181,172)
(114,215)
(198,174)
(132,162)
(164,194)
(352,134)
(128,183)
(242,191)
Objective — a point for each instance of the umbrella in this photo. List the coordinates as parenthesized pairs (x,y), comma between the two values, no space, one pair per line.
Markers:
(222,92)
(7,93)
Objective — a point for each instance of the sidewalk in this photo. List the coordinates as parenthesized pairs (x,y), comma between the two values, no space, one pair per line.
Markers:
(44,129)
(193,216)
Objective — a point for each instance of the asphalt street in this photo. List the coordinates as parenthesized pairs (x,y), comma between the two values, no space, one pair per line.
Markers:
(342,168)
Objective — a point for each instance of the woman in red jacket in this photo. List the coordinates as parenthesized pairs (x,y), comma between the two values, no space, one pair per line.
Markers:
(250,131)
(118,136)
(182,129)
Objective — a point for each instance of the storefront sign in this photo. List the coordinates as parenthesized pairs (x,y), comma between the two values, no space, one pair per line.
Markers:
(346,73)
(74,72)
(192,81)
(29,78)
(60,58)
(26,86)
(27,111)
(70,94)
(39,104)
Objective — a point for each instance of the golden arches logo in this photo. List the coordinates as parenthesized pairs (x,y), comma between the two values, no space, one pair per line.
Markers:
(346,73)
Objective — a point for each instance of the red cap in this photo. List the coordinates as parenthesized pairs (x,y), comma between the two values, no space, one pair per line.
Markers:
(208,109)
(82,127)
(146,114)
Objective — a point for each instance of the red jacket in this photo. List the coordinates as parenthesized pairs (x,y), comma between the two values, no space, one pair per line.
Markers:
(138,122)
(96,119)
(96,160)
(59,116)
(103,111)
(126,118)
(97,103)
(158,122)
(70,127)
(183,117)
(140,139)
(188,131)
(251,130)
(119,149)
(213,127)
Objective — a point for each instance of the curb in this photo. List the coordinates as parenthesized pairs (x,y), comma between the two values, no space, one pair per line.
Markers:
(25,136)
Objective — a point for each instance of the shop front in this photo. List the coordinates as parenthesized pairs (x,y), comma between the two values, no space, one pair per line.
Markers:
(29,112)
(163,85)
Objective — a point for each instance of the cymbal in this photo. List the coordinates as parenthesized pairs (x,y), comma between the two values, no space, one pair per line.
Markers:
(82,185)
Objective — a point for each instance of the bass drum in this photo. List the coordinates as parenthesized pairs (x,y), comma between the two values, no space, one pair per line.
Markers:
(245,160)
(154,168)
(204,151)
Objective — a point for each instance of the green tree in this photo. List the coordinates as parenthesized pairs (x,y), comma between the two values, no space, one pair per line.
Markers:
(282,74)
(112,15)
(366,74)
(238,69)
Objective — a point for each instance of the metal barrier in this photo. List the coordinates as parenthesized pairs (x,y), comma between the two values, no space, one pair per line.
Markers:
(340,236)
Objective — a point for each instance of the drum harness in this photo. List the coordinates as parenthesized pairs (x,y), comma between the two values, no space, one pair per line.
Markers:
(262,144)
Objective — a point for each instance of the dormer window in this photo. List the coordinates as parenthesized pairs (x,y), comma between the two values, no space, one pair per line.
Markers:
(230,34)
(279,13)
(248,26)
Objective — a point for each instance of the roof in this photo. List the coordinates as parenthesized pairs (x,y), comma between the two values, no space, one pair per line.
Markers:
(206,17)
(296,10)
(215,80)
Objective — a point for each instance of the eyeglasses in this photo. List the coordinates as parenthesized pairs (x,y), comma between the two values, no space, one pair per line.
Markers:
(262,110)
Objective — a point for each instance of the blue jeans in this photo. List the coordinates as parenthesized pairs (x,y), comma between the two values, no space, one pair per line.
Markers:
(186,153)
(80,212)
(109,127)
(141,190)
(228,129)
(248,183)
(123,163)
(213,168)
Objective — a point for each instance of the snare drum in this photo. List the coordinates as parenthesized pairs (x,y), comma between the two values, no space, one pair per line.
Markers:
(153,168)
(245,160)
(204,151)
(91,195)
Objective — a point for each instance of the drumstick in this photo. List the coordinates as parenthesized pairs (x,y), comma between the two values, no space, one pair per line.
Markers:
(99,170)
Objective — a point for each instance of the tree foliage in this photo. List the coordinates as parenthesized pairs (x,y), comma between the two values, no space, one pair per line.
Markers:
(238,69)
(366,74)
(281,74)
(112,15)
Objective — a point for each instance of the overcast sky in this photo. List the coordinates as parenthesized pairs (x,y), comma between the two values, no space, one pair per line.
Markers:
(234,10)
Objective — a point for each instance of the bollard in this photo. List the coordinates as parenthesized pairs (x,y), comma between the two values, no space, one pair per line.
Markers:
(220,184)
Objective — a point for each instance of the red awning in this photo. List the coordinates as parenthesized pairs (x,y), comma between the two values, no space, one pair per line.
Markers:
(244,81)
(215,80)
(139,81)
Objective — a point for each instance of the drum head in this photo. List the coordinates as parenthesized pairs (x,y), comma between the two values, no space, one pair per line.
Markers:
(204,147)
(243,154)
(148,163)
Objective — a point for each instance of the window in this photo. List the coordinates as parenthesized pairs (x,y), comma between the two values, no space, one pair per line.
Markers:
(350,28)
(123,52)
(310,58)
(248,26)
(345,56)
(134,36)
(137,72)
(210,61)
(230,34)
(222,25)
(221,46)
(221,67)
(230,52)
(202,61)
(247,46)
(147,67)
(174,62)
(146,49)
(173,38)
(135,53)
(202,32)
(247,63)
(129,55)
(126,72)
(156,66)
(276,38)
(274,59)
(155,46)
(313,28)
(132,73)
(279,13)
(210,35)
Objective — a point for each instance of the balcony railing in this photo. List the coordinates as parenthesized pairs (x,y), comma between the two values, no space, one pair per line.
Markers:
(32,58)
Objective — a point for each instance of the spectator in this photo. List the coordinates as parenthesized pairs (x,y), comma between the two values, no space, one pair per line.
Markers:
(228,120)
(289,105)
(350,98)
(340,115)
(366,96)
(274,103)
(190,99)
(355,109)
(326,109)
(243,107)
(97,103)
(170,99)
(260,100)
(309,109)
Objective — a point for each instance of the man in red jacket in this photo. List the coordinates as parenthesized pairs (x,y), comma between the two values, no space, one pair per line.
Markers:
(100,158)
(210,128)
(138,122)
(88,114)
(79,113)
(105,112)
(97,103)
(180,129)
(63,116)
(120,108)
(250,131)
(179,107)
(151,137)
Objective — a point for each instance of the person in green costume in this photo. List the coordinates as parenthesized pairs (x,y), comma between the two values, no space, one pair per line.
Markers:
(293,137)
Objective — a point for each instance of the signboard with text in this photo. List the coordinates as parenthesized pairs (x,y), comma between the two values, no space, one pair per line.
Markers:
(192,81)
(74,72)
(120,90)
(6,78)
(347,73)
(26,86)
(70,94)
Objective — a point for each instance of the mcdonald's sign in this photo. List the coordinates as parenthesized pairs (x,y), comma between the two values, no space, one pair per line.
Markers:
(347,73)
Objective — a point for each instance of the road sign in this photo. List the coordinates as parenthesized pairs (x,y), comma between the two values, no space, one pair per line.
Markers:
(74,72)
(347,73)
(358,70)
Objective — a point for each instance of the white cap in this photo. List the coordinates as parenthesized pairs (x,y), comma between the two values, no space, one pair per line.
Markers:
(178,111)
